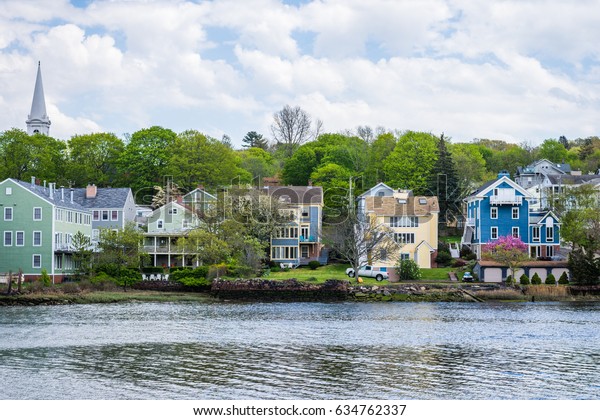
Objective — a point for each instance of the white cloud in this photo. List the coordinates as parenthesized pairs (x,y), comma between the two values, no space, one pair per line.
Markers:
(512,69)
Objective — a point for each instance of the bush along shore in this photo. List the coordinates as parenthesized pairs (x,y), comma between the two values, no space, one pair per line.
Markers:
(258,289)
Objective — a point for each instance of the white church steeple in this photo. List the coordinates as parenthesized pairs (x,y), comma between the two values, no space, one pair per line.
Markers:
(38,121)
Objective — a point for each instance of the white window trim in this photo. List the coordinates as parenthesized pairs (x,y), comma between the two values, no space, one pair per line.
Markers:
(17,234)
(41,214)
(533,237)
(33,238)
(513,213)
(160,224)
(107,216)
(513,230)
(96,215)
(492,232)
(8,191)
(491,213)
(111,216)
(12,214)
(4,238)
(549,238)
(33,261)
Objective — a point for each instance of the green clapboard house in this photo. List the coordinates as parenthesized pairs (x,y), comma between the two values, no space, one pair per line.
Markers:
(37,223)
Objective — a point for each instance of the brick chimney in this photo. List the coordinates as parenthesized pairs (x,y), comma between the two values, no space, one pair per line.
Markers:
(91,191)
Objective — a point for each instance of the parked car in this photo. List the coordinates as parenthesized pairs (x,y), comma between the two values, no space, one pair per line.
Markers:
(368,271)
(468,277)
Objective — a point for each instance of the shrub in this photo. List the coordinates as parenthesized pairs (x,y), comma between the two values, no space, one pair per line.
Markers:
(313,265)
(217,270)
(45,278)
(536,279)
(70,288)
(408,270)
(467,254)
(524,279)
(551,280)
(564,278)
(459,263)
(509,280)
(194,281)
(275,269)
(443,247)
(443,257)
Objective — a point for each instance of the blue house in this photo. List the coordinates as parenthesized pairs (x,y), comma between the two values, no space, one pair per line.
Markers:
(502,207)
(299,242)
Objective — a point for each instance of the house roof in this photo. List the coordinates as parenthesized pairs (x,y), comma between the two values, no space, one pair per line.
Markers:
(413,206)
(106,198)
(296,195)
(367,193)
(491,184)
(573,179)
(530,169)
(44,193)
(558,264)
(536,218)
(188,196)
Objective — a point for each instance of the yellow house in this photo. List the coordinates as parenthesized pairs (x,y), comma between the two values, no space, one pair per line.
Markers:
(411,221)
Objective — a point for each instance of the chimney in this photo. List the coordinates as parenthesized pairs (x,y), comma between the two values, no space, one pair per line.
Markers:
(71,195)
(91,191)
(179,199)
(51,191)
(201,187)
(32,181)
(62,193)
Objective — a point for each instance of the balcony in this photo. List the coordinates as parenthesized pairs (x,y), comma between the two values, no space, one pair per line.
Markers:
(506,199)
(306,239)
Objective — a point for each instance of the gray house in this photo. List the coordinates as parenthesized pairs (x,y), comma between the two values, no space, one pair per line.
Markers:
(111,208)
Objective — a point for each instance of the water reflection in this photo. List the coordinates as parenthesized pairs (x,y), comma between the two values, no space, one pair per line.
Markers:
(301,351)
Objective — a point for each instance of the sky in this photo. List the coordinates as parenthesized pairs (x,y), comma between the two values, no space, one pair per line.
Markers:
(522,70)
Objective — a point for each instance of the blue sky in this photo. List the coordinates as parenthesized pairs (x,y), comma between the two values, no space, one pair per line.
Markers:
(516,70)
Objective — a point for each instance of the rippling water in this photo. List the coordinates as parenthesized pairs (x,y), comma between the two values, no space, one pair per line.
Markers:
(221,350)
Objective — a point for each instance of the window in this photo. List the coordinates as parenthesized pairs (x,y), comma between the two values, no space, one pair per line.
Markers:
(105,215)
(536,252)
(114,215)
(159,224)
(549,234)
(404,256)
(422,201)
(515,212)
(304,212)
(404,238)
(381,194)
(37,213)
(7,238)
(8,213)
(515,232)
(96,215)
(8,191)
(404,221)
(36,261)
(57,240)
(171,211)
(37,238)
(493,212)
(20,238)
(284,252)
(95,234)
(535,234)
(549,251)
(494,232)
(58,261)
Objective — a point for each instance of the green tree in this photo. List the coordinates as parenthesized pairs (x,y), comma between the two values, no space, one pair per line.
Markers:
(469,164)
(143,163)
(23,156)
(380,149)
(298,168)
(410,164)
(120,253)
(443,183)
(408,270)
(553,150)
(253,139)
(200,159)
(204,246)
(258,162)
(93,159)
(82,255)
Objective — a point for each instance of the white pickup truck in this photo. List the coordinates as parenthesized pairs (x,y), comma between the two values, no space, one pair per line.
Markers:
(368,271)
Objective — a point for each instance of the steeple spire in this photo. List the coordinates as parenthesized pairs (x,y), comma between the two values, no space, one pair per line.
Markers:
(38,121)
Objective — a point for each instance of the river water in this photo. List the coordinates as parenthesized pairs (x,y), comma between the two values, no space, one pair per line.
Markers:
(225,350)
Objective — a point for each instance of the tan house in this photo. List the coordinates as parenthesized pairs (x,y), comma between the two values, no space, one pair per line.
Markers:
(411,221)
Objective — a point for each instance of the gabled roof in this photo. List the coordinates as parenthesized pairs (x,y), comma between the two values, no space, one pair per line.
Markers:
(538,218)
(572,179)
(485,188)
(424,242)
(106,198)
(164,207)
(296,195)
(367,193)
(44,193)
(200,190)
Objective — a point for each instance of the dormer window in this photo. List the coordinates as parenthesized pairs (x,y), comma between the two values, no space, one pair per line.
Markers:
(402,201)
(381,193)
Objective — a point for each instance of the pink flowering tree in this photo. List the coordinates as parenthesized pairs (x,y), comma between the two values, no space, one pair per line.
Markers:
(507,250)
